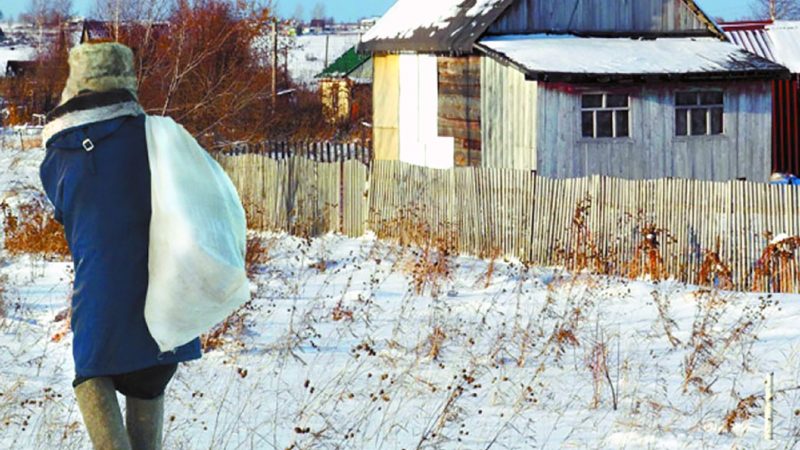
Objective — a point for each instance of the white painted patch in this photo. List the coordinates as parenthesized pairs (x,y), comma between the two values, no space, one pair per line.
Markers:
(419,109)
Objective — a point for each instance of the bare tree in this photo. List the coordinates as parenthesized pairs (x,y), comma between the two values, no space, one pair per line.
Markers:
(776,9)
(299,12)
(132,10)
(319,11)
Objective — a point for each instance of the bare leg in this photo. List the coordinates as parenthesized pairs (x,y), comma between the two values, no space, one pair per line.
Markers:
(145,421)
(97,400)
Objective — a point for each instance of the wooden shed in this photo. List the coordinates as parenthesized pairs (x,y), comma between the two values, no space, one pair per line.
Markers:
(778,41)
(569,88)
(341,83)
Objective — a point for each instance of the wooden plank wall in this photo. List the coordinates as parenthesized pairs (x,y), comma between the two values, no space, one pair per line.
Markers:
(460,106)
(509,122)
(506,212)
(653,151)
(602,16)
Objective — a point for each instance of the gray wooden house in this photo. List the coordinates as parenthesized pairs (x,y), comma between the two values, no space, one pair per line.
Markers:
(569,88)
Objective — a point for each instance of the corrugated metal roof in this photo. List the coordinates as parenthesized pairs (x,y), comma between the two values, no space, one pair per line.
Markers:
(777,41)
(569,57)
(344,64)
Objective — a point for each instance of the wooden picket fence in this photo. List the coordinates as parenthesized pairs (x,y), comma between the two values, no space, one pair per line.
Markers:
(659,228)
(327,151)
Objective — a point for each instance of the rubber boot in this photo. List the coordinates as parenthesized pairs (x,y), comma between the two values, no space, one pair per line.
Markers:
(97,400)
(145,422)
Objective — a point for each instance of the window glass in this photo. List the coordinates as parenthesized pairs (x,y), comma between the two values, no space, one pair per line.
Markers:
(716,121)
(681,123)
(605,116)
(616,101)
(699,121)
(622,124)
(699,113)
(593,101)
(685,98)
(711,98)
(587,124)
(604,124)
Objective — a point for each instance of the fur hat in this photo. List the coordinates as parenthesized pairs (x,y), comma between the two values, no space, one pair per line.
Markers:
(99,68)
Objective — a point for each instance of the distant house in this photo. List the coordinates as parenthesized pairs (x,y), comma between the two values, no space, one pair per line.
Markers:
(779,42)
(97,31)
(105,31)
(341,82)
(19,68)
(570,88)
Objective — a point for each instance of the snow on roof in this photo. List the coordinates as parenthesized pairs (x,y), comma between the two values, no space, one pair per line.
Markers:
(15,53)
(568,54)
(785,37)
(432,25)
(777,41)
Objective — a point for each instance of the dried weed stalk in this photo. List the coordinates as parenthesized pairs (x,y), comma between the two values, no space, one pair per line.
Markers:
(647,261)
(715,273)
(778,269)
(711,341)
(584,253)
(31,229)
(232,329)
(257,254)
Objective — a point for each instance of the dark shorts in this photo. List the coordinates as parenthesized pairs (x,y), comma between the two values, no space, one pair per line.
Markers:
(145,384)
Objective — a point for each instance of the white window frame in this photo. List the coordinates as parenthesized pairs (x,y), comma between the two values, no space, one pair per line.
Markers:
(605,108)
(687,110)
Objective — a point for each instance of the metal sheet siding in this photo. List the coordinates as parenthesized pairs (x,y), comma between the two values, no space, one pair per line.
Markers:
(653,150)
(645,16)
(508,117)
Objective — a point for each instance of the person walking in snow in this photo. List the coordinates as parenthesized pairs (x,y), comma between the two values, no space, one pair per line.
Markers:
(96,174)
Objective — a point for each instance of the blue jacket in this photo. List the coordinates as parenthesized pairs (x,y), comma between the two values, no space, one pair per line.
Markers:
(96,174)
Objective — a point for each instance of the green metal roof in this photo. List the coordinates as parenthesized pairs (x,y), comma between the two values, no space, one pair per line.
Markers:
(344,65)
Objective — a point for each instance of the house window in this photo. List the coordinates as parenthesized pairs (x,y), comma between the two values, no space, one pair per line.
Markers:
(699,113)
(605,116)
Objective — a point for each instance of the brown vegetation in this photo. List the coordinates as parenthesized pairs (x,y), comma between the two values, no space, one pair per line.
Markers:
(778,269)
(206,63)
(30,228)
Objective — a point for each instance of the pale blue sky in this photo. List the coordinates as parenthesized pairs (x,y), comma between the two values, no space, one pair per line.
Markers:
(346,10)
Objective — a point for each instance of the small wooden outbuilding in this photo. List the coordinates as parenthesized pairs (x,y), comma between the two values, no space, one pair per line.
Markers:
(570,88)
(341,83)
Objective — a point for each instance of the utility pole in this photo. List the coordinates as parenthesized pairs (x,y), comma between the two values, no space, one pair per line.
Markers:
(116,20)
(274,63)
(327,46)
(772,10)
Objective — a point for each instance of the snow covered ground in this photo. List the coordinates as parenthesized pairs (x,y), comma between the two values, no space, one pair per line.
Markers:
(307,54)
(337,350)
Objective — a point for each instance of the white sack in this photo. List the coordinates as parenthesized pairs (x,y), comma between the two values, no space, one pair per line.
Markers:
(198,235)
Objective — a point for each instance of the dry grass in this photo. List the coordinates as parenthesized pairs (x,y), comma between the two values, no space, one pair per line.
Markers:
(30,228)
(715,273)
(584,253)
(778,269)
(231,330)
(257,252)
